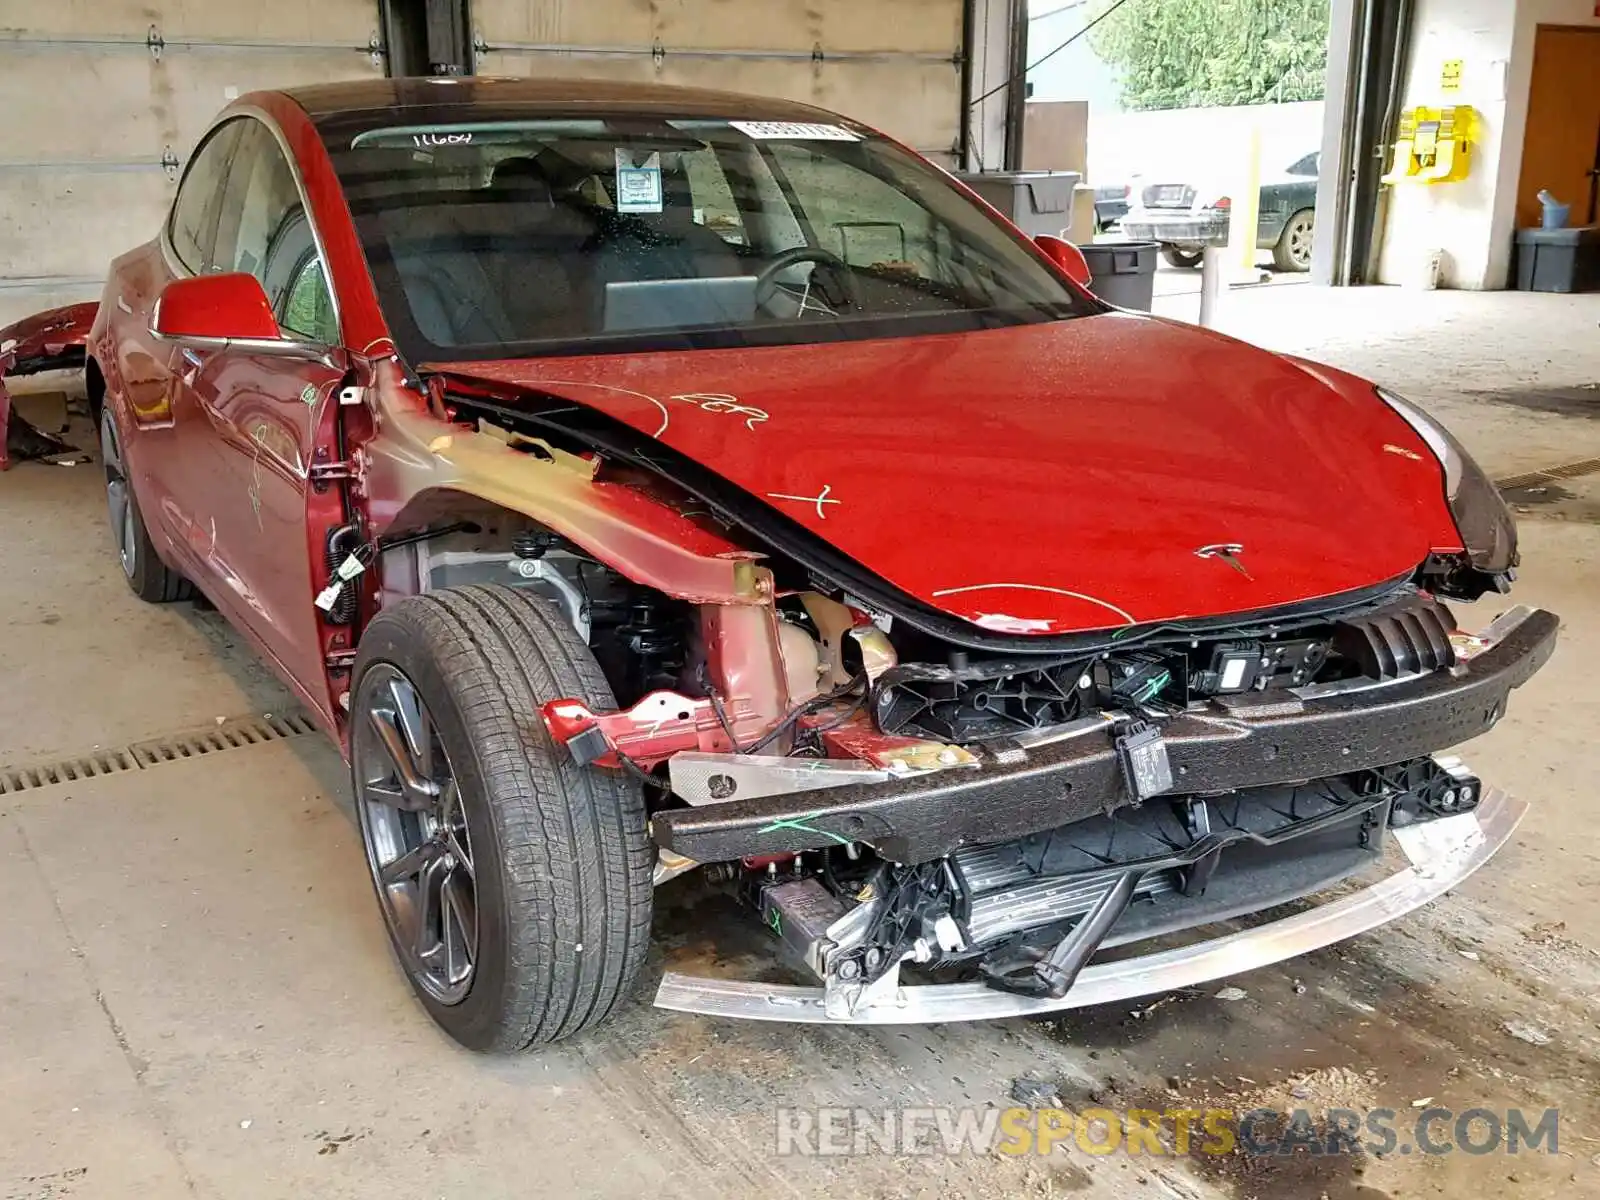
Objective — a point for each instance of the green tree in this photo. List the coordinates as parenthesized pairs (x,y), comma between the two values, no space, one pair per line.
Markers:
(1205,53)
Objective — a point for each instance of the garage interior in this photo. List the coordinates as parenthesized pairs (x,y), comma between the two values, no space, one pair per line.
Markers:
(194,996)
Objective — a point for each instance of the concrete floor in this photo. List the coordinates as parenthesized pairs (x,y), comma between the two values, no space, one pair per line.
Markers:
(196,996)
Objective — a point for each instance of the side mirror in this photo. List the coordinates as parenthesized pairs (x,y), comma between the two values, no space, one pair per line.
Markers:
(1066,256)
(219,312)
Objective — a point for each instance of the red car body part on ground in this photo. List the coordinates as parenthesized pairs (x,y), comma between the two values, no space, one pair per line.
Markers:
(47,341)
(904,549)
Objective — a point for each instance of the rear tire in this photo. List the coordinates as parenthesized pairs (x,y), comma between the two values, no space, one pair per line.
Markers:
(150,578)
(1186,259)
(1293,251)
(559,859)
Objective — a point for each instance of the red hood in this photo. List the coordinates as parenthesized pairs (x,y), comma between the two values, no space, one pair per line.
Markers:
(1052,477)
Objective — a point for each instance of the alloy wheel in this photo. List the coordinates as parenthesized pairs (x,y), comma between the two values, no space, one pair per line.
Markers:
(415,831)
(1300,231)
(118,503)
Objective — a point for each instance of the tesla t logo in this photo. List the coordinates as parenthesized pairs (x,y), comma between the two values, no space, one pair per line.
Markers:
(1227,552)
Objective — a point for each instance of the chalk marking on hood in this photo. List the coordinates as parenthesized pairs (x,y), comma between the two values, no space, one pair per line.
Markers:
(1039,587)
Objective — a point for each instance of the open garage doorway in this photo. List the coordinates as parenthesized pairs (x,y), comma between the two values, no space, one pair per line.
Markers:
(1193,124)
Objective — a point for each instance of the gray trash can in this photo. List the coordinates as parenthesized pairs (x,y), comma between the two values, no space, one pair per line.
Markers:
(1559,260)
(1036,201)
(1124,272)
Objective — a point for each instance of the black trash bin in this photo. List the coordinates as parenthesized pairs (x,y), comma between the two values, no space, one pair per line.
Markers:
(1559,260)
(1124,272)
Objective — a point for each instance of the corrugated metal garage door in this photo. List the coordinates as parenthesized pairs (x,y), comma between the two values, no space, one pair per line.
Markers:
(891,63)
(103,101)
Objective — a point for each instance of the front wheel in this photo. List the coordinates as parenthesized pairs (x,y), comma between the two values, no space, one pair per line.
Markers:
(1293,251)
(515,885)
(1179,257)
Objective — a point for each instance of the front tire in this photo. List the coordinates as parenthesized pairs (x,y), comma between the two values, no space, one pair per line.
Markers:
(1178,257)
(150,578)
(515,885)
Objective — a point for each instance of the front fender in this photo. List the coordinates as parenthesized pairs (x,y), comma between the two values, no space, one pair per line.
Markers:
(415,465)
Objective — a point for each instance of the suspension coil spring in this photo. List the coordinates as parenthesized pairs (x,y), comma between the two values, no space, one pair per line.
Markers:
(647,634)
(533,543)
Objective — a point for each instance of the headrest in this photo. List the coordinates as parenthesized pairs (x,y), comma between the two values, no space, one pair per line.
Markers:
(524,176)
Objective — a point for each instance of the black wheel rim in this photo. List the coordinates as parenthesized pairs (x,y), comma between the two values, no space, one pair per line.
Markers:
(119,504)
(415,830)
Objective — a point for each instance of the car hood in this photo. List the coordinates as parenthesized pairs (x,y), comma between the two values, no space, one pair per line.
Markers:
(1048,478)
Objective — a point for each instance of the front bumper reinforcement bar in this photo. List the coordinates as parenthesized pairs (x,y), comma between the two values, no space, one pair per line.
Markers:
(1441,854)
(1283,738)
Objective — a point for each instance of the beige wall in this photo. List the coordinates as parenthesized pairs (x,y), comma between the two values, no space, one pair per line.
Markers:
(88,124)
(890,63)
(89,121)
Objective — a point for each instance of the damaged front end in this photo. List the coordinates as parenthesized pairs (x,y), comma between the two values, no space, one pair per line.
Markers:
(991,826)
(942,819)
(1041,929)
(1022,919)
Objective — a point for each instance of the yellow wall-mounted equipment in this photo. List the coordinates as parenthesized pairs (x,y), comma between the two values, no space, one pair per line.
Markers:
(1435,145)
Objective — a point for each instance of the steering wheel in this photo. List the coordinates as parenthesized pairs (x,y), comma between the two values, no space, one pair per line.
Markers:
(767,280)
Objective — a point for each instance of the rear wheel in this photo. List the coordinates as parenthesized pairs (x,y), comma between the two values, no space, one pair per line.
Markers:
(149,577)
(1293,251)
(515,885)
(1179,257)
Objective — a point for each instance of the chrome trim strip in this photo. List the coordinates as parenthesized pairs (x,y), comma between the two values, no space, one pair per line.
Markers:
(1442,854)
(267,347)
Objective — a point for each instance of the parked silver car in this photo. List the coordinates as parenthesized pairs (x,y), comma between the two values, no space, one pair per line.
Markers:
(1185,218)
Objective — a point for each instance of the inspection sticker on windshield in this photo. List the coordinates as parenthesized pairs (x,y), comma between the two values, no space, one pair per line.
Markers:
(798,130)
(638,182)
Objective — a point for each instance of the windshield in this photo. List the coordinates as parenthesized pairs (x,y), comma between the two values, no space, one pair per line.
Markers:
(515,238)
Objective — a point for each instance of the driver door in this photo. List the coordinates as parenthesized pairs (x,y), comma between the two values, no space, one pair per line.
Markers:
(257,414)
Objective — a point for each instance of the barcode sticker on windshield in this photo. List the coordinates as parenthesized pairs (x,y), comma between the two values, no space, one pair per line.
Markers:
(638,182)
(798,130)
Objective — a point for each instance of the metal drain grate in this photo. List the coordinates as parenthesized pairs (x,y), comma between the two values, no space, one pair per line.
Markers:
(230,735)
(1575,470)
